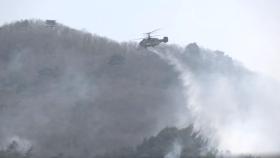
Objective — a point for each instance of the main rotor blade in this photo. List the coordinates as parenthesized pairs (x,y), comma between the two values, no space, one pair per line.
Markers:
(137,39)
(155,35)
(147,33)
(155,30)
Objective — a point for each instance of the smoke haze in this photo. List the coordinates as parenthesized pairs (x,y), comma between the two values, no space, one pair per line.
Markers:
(64,90)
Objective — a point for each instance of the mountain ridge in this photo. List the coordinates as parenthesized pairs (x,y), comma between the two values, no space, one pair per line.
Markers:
(59,83)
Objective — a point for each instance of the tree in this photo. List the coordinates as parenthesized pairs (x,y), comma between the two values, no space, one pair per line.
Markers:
(185,143)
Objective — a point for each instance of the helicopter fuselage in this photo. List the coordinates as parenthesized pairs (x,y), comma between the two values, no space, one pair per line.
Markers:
(151,42)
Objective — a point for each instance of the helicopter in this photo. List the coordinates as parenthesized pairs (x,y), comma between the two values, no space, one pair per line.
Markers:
(151,41)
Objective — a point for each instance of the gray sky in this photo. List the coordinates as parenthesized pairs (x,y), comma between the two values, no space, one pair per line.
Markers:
(247,30)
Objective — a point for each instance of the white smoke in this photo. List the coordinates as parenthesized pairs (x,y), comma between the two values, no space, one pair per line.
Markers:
(241,113)
(185,77)
(175,151)
(20,144)
(63,86)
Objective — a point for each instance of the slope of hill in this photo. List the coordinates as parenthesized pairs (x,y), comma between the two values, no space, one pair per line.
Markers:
(65,90)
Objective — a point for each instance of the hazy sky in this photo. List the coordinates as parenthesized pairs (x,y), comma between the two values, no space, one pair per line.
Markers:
(247,30)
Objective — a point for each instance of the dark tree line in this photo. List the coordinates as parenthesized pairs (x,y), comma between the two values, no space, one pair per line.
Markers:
(191,143)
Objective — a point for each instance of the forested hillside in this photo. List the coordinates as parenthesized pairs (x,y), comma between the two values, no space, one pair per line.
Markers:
(71,92)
